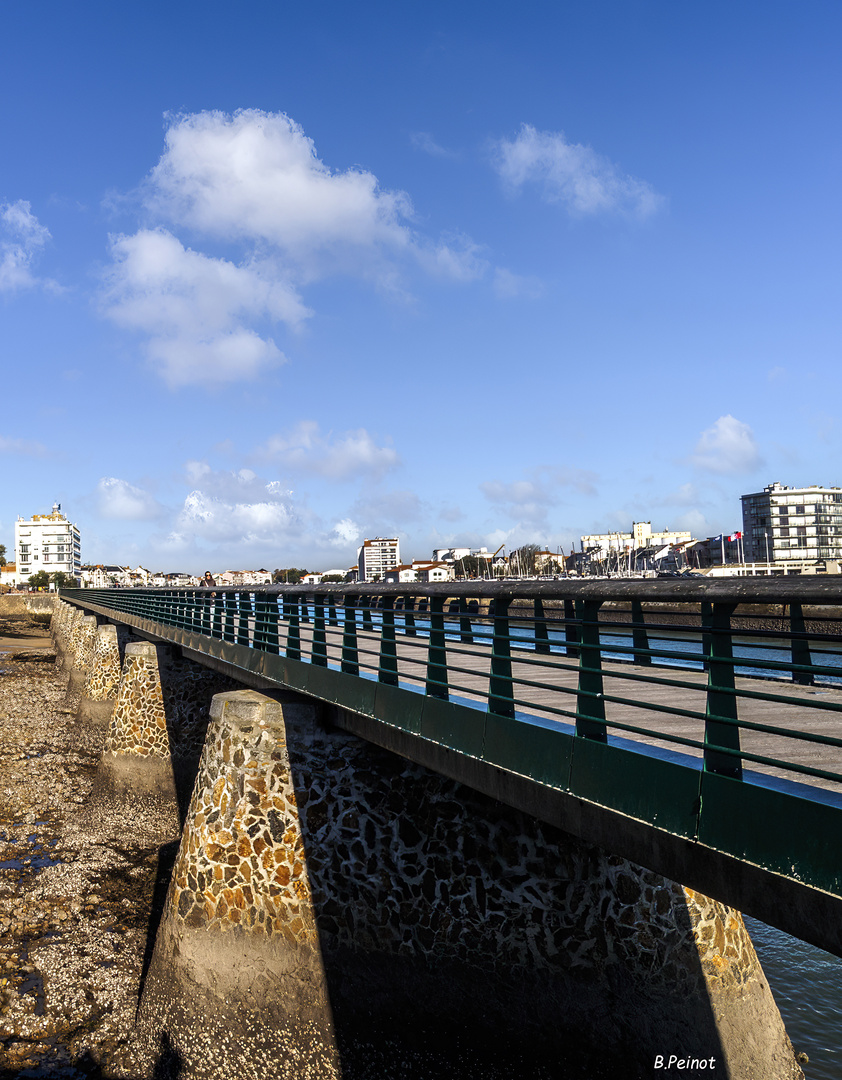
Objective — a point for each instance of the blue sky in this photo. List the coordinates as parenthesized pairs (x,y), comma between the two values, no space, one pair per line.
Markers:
(277,277)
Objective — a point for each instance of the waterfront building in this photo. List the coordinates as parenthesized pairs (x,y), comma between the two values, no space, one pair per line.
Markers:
(47,542)
(641,536)
(793,525)
(377,556)
(424,570)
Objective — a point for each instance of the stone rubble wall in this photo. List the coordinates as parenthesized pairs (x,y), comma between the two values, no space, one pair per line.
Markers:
(103,679)
(325,887)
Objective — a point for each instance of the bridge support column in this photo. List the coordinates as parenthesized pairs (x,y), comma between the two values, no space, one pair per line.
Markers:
(155,734)
(103,678)
(81,650)
(136,765)
(61,628)
(237,986)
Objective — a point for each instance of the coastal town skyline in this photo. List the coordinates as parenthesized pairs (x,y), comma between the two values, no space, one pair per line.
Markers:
(531,277)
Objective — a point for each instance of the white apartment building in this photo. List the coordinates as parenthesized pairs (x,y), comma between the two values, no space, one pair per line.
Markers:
(787,525)
(424,570)
(47,542)
(377,556)
(641,536)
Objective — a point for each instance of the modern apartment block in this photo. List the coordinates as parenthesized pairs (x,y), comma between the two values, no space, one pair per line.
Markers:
(377,556)
(47,542)
(784,524)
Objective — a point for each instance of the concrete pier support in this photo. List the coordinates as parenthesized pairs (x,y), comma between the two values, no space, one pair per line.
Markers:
(103,678)
(64,619)
(155,734)
(82,639)
(136,765)
(329,895)
(237,987)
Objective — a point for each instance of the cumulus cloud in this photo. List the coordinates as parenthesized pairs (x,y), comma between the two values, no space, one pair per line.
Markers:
(728,446)
(529,500)
(194,308)
(219,521)
(23,237)
(345,533)
(574,175)
(253,181)
(334,456)
(120,500)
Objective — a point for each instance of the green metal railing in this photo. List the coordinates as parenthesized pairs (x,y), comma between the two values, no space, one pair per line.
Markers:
(689,705)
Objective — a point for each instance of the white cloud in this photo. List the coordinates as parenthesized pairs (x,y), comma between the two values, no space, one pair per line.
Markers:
(253,180)
(22,447)
(256,175)
(123,501)
(508,286)
(728,446)
(24,237)
(571,174)
(336,457)
(528,500)
(344,533)
(193,307)
(424,141)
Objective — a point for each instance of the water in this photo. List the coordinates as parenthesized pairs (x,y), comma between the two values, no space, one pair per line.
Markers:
(807,984)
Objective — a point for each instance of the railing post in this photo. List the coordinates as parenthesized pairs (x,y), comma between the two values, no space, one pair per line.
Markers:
(259,641)
(542,637)
(293,649)
(388,671)
(590,704)
(571,629)
(466,635)
(244,605)
(721,705)
(332,617)
(408,616)
(350,656)
(318,653)
(205,604)
(500,688)
(800,645)
(230,612)
(707,622)
(436,685)
(216,601)
(640,635)
(365,604)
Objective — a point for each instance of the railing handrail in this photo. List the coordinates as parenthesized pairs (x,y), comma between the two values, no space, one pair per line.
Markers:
(817,590)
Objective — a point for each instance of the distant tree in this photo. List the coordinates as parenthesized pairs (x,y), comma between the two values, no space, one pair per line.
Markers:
(331,578)
(2,554)
(41,580)
(470,567)
(292,575)
(62,580)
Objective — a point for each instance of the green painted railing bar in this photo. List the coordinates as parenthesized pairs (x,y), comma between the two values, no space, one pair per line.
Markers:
(388,671)
(350,655)
(721,699)
(590,702)
(244,605)
(640,636)
(293,649)
(466,635)
(436,684)
(801,660)
(318,655)
(542,636)
(500,694)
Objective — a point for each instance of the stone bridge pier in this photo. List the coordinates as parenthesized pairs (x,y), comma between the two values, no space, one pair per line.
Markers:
(332,903)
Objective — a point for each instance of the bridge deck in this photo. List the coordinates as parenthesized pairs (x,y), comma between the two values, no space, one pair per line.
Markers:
(469,672)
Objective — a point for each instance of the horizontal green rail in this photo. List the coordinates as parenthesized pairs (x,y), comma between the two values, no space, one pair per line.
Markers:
(711,712)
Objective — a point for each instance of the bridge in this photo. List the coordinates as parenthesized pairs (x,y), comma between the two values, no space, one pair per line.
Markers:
(464,811)
(691,726)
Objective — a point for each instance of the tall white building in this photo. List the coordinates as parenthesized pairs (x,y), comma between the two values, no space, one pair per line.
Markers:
(377,556)
(641,536)
(47,542)
(784,524)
